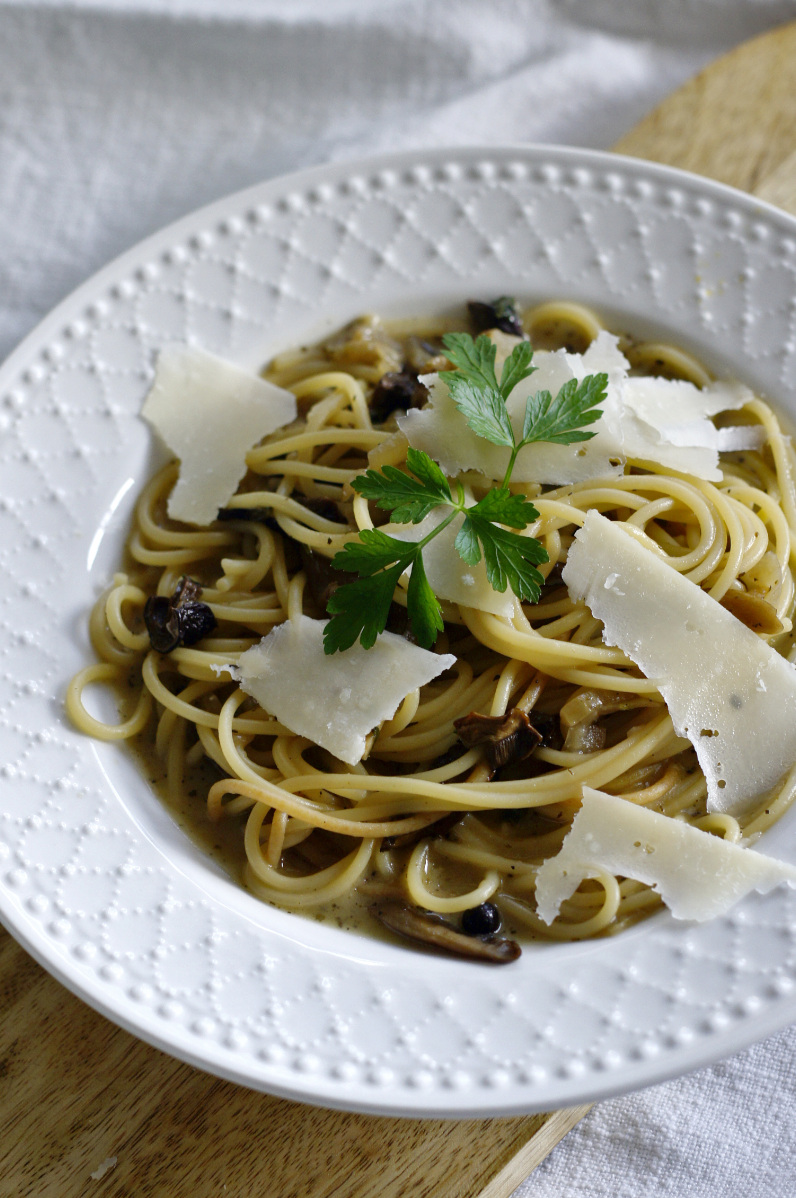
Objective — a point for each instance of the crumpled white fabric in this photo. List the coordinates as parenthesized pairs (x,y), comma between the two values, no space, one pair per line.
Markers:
(727,1131)
(117,116)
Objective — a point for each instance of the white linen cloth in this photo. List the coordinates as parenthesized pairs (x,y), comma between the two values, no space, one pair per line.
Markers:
(117,116)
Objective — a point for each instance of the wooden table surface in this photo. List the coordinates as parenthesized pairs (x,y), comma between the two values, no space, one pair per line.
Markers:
(85,1108)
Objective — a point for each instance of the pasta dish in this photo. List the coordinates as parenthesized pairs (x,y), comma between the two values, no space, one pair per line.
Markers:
(441,826)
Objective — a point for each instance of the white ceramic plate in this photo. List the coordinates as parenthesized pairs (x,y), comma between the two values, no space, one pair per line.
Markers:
(95,879)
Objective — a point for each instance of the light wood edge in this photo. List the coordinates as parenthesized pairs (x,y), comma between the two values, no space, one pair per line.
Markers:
(734,121)
(780,186)
(533,1151)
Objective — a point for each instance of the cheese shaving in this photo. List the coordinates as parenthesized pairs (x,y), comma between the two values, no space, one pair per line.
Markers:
(699,876)
(665,421)
(727,690)
(210,413)
(334,700)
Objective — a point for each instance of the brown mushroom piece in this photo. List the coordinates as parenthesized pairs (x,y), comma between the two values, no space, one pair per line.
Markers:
(500,313)
(365,344)
(580,714)
(753,611)
(322,577)
(328,509)
(427,928)
(178,620)
(423,357)
(254,515)
(396,391)
(507,738)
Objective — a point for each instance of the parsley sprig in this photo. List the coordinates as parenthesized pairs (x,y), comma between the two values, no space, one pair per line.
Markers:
(359,609)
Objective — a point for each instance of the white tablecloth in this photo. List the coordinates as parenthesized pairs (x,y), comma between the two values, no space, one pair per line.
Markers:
(119,116)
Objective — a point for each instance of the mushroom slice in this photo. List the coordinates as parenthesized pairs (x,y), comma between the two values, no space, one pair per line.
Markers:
(425,357)
(585,738)
(366,344)
(507,738)
(587,705)
(501,313)
(322,578)
(427,928)
(753,611)
(397,390)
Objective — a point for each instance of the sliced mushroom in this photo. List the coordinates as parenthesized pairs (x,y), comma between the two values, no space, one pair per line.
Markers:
(753,611)
(500,313)
(584,738)
(427,928)
(188,590)
(506,738)
(581,712)
(587,705)
(398,622)
(396,391)
(322,577)
(329,509)
(423,357)
(179,619)
(365,344)
(255,515)
(162,623)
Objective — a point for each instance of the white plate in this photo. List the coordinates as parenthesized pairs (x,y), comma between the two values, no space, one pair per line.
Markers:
(95,879)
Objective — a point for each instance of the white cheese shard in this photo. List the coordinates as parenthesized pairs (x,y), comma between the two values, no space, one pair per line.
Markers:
(210,413)
(699,876)
(333,700)
(727,690)
(665,421)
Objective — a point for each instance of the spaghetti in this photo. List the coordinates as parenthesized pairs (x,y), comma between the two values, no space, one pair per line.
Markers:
(423,817)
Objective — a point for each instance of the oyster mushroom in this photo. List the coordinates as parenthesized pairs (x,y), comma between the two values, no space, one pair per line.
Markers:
(507,738)
(427,928)
(178,620)
(500,313)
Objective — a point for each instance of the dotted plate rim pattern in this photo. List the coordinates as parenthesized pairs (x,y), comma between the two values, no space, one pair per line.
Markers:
(96,880)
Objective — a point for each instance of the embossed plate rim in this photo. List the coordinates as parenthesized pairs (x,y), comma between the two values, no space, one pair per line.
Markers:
(452,1073)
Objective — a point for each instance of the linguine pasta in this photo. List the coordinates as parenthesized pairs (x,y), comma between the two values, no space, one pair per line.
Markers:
(423,817)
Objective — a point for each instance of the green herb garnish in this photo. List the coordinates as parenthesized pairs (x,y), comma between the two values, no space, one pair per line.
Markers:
(359,609)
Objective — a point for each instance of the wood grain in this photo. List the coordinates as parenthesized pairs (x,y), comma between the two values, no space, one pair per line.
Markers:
(735,121)
(77,1093)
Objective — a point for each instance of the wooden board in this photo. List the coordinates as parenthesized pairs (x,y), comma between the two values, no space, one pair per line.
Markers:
(735,121)
(76,1092)
(86,1108)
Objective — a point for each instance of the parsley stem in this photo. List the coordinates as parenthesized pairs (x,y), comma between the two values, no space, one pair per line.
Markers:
(457,509)
(515,450)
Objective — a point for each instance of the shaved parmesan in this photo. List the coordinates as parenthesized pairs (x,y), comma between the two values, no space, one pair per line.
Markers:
(666,421)
(727,690)
(210,413)
(603,356)
(699,876)
(333,700)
